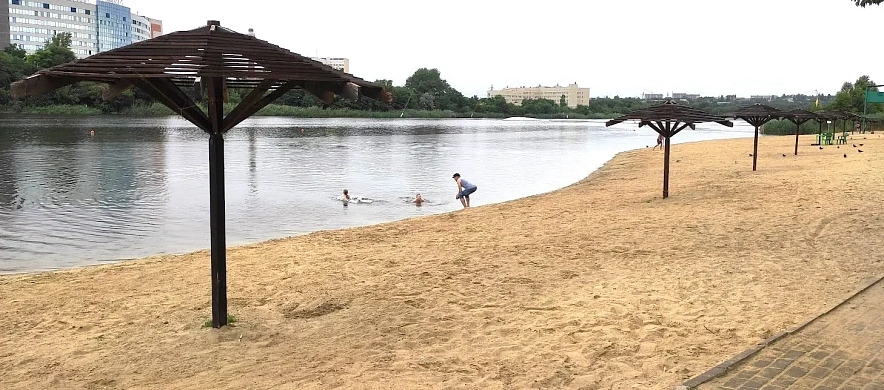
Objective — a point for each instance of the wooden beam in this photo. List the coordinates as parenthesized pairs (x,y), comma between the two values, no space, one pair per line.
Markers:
(248,111)
(236,116)
(116,89)
(39,85)
(162,94)
(322,91)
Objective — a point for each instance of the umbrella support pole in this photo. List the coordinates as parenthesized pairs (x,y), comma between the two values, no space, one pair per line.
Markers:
(219,244)
(666,167)
(755,150)
(797,132)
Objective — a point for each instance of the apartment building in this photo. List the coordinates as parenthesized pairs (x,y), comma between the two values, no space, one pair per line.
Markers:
(342,64)
(574,95)
(94,25)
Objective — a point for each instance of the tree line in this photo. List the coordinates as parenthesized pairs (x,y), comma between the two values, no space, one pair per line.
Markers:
(425,93)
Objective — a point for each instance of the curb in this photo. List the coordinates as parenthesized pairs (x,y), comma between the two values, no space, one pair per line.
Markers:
(727,365)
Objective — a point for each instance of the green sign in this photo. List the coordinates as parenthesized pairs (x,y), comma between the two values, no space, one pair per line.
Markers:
(874,97)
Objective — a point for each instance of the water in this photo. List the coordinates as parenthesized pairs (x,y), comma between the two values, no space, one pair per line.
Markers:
(139,187)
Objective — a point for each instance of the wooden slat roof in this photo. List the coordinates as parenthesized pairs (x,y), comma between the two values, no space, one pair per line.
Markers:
(209,51)
(800,116)
(671,112)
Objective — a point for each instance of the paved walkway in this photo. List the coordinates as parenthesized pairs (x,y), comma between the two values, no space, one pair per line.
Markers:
(843,349)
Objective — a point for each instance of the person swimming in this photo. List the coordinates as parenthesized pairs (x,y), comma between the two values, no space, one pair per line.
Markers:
(418,200)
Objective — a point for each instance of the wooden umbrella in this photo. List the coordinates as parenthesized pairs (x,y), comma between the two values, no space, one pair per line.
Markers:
(668,119)
(207,61)
(756,115)
(798,117)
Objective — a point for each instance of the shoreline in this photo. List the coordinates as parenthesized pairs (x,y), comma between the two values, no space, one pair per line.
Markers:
(205,249)
(599,284)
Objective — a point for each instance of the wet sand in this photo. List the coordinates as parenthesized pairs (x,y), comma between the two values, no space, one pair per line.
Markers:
(602,284)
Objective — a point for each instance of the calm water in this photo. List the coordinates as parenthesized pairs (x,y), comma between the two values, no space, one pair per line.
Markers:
(140,186)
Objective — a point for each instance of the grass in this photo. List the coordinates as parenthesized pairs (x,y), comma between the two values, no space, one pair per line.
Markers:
(231,319)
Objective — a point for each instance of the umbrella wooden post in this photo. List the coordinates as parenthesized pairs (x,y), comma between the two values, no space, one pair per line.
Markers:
(216,208)
(755,150)
(219,239)
(797,132)
(666,166)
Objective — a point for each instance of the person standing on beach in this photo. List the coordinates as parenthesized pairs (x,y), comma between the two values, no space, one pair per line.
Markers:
(464,189)
(659,142)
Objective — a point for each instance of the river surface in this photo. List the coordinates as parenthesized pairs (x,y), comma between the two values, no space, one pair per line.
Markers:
(139,186)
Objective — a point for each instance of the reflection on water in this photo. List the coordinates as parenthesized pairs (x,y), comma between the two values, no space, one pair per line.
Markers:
(140,186)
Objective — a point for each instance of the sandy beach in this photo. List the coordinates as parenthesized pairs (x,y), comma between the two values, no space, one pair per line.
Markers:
(600,285)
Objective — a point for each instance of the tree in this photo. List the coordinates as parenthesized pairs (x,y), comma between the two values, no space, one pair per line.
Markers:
(563,101)
(57,51)
(16,51)
(864,3)
(852,96)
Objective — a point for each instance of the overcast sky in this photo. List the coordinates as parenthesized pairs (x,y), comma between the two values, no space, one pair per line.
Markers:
(614,47)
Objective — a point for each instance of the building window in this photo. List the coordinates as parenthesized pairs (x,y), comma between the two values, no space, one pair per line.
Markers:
(16,2)
(74,9)
(88,12)
(46,5)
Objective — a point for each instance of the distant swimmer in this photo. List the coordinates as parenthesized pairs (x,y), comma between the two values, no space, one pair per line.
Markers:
(345,197)
(418,200)
(91,133)
(464,189)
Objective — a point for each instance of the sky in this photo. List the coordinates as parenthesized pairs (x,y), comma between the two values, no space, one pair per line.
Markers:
(614,47)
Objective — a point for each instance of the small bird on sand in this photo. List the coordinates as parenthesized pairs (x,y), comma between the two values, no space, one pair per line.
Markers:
(860,144)
(750,154)
(839,146)
(784,154)
(854,145)
(821,148)
(845,155)
(859,150)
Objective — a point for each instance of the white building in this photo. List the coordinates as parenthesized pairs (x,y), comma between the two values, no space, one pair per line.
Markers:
(140,28)
(574,96)
(29,24)
(342,64)
(32,23)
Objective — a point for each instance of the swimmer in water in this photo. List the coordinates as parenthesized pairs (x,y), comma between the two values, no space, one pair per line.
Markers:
(418,200)
(345,197)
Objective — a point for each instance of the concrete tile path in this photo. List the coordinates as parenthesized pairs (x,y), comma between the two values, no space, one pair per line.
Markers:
(842,349)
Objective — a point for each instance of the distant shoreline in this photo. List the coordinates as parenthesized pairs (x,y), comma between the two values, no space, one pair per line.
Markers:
(158,110)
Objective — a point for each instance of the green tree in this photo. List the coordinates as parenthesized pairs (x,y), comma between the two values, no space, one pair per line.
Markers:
(852,96)
(16,51)
(563,101)
(12,68)
(863,3)
(57,51)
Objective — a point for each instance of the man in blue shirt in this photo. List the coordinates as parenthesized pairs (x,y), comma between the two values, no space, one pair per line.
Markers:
(464,189)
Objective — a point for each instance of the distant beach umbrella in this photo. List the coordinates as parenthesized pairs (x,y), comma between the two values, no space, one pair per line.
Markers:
(668,119)
(756,115)
(799,117)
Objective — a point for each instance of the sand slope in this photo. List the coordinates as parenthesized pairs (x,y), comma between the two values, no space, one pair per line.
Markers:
(601,285)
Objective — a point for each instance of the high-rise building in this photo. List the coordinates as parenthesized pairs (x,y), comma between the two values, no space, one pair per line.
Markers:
(94,25)
(114,25)
(574,95)
(342,64)
(32,23)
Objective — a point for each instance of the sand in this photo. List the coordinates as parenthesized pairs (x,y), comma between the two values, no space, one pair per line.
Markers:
(600,285)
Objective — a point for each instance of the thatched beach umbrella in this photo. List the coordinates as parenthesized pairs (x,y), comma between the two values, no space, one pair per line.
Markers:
(756,115)
(668,119)
(207,61)
(798,117)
